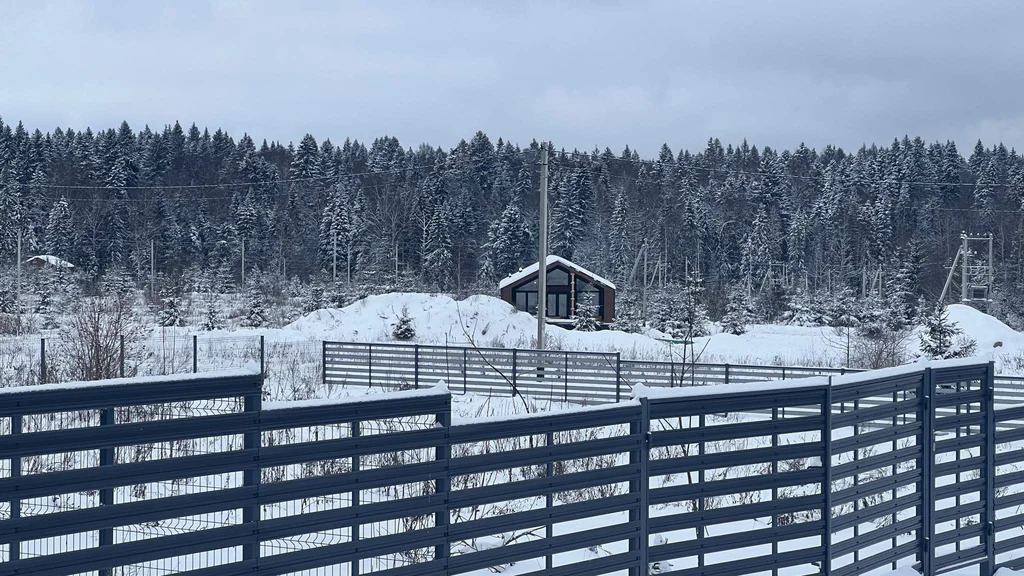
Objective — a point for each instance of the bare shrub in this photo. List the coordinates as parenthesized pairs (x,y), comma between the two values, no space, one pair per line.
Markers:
(879,348)
(90,341)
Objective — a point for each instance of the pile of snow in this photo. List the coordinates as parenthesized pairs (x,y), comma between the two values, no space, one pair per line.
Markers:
(986,330)
(490,322)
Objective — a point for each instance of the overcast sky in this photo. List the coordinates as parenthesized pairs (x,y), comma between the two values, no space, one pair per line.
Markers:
(582,74)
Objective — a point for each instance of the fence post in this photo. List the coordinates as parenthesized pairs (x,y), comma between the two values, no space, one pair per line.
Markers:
(252,475)
(42,360)
(121,356)
(195,353)
(14,547)
(107,418)
(639,486)
(726,373)
(416,366)
(549,501)
(826,484)
(323,361)
(465,367)
(356,526)
(565,377)
(672,373)
(927,480)
(989,404)
(369,365)
(618,377)
(443,483)
(515,368)
(263,356)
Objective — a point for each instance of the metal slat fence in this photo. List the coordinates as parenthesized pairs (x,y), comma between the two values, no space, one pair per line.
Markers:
(197,475)
(581,377)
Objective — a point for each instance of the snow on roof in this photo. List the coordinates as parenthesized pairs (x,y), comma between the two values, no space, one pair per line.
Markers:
(532,269)
(51,260)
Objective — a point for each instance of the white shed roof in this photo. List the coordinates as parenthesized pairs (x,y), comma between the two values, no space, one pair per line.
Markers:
(51,260)
(532,269)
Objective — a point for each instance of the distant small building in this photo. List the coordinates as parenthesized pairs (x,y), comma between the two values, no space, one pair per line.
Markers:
(47,261)
(568,285)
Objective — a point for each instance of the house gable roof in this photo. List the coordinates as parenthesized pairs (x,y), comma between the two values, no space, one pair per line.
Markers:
(552,259)
(51,260)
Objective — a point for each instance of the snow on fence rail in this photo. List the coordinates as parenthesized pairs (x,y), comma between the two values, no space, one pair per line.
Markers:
(195,475)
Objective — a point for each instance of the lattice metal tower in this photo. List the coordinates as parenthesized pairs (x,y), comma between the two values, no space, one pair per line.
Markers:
(973,261)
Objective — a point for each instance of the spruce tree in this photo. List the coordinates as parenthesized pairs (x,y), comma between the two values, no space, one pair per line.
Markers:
(586,319)
(59,230)
(404,329)
(942,339)
(171,313)
(627,312)
(508,242)
(255,315)
(737,312)
(438,261)
(212,318)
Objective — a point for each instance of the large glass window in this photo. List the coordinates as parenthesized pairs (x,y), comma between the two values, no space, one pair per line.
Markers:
(558,277)
(558,305)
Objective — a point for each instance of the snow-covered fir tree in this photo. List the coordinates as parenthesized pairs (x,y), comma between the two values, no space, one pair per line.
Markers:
(256,314)
(212,319)
(586,319)
(170,313)
(628,317)
(737,312)
(941,338)
(508,242)
(404,328)
(313,299)
(695,314)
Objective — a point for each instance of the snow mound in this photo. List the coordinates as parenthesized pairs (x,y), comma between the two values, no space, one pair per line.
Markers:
(437,319)
(985,329)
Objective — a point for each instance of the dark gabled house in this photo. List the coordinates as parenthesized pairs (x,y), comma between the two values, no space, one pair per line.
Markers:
(568,285)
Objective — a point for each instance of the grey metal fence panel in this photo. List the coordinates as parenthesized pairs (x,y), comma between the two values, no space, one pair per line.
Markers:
(920,467)
(709,459)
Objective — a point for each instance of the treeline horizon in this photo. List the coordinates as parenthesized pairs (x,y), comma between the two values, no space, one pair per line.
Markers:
(389,216)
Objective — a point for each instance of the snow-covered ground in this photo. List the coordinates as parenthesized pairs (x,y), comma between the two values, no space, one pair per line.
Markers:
(293,351)
(487,321)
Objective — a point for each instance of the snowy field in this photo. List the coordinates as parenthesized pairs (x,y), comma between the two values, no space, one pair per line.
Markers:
(293,351)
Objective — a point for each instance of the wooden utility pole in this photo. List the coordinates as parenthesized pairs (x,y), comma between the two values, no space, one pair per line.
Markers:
(152,269)
(334,257)
(243,264)
(964,277)
(17,295)
(542,249)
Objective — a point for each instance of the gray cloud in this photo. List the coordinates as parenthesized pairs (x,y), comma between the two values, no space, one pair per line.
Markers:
(582,74)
